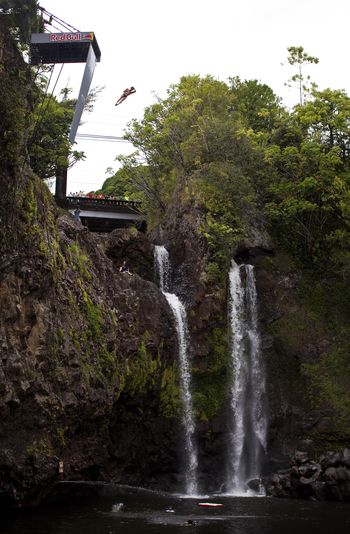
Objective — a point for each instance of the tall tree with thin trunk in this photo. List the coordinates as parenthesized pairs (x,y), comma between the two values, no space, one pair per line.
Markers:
(298,56)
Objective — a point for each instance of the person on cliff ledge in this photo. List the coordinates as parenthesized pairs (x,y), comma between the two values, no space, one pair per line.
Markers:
(127,92)
(124,268)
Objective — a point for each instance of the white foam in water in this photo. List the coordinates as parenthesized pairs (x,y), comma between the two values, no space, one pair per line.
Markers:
(117,507)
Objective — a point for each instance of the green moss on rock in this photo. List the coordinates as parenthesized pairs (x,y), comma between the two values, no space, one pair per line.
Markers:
(170,402)
(141,373)
(211,382)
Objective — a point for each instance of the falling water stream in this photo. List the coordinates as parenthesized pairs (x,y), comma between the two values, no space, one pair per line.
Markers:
(191,462)
(247,391)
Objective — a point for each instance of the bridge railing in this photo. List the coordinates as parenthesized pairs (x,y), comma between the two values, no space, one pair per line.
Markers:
(73,202)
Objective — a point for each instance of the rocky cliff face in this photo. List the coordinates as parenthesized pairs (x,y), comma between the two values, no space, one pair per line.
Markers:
(88,379)
(86,354)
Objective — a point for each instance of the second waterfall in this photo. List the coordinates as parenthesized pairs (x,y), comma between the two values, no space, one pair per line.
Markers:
(247,392)
(190,451)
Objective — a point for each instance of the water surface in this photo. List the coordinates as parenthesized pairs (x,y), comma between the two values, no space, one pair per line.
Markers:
(144,512)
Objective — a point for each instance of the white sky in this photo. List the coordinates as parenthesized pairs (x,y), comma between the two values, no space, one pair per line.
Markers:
(150,44)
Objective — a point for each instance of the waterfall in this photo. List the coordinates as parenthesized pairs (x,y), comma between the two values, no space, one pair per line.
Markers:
(191,462)
(247,438)
(185,385)
(161,257)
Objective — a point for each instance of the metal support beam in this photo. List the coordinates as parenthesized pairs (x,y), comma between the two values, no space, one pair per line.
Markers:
(83,93)
(61,182)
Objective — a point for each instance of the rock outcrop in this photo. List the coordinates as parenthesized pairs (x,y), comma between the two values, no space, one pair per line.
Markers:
(326,478)
(85,351)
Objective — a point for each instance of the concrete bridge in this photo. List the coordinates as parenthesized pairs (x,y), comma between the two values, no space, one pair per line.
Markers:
(104,214)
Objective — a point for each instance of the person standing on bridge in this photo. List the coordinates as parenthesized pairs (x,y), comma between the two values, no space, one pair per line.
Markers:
(125,94)
(76,214)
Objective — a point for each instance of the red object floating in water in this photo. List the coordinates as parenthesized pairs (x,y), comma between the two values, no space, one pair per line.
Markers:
(214,504)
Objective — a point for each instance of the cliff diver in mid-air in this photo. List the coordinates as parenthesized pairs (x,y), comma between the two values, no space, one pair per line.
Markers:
(125,94)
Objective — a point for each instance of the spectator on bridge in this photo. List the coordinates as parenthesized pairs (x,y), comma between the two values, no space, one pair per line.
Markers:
(76,214)
(125,94)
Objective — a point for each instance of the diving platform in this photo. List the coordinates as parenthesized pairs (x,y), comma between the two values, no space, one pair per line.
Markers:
(105,214)
(62,47)
(71,47)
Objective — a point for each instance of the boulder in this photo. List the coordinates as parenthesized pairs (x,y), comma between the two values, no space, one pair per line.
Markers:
(345,459)
(254,484)
(301,457)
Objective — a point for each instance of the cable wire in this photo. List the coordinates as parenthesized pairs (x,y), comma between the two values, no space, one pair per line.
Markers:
(59,21)
(43,101)
(41,111)
(97,137)
(53,26)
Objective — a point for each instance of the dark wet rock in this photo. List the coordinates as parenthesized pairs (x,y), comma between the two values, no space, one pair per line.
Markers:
(313,479)
(133,247)
(254,484)
(311,476)
(330,459)
(319,490)
(346,457)
(301,457)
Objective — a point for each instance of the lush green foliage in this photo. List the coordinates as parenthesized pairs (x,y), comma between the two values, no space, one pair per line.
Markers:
(328,304)
(199,143)
(224,147)
(49,146)
(50,122)
(22,17)
(257,104)
(308,190)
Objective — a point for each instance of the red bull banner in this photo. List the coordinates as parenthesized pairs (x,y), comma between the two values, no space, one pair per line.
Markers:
(69,37)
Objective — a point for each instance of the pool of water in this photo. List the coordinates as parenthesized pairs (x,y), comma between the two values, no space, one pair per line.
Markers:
(125,510)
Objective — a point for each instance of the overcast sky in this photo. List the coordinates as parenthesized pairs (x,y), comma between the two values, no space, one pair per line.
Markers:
(150,44)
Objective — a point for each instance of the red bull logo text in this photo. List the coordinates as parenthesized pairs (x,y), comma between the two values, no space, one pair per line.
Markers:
(59,37)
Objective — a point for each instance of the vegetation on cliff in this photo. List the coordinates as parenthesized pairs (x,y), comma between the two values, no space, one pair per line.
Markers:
(22,17)
(229,147)
(232,150)
(228,153)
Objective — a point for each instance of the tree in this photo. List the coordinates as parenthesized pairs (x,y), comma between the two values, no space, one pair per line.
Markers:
(194,145)
(297,56)
(116,185)
(48,145)
(22,17)
(305,200)
(327,120)
(260,108)
(180,131)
